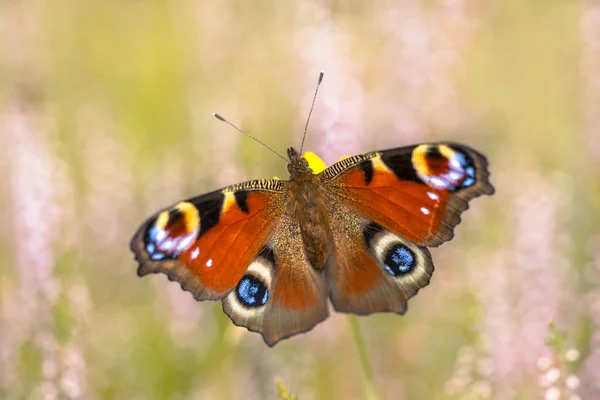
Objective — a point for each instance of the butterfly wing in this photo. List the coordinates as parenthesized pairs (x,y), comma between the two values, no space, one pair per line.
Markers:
(299,292)
(401,201)
(238,244)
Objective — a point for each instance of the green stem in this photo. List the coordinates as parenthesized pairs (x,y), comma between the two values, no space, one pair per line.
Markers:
(371,391)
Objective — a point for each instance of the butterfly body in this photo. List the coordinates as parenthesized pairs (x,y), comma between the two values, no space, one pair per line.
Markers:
(356,234)
(307,205)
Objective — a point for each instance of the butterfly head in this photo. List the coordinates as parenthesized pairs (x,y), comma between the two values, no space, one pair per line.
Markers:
(297,165)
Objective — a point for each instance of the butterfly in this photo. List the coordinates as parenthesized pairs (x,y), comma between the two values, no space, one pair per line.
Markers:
(356,234)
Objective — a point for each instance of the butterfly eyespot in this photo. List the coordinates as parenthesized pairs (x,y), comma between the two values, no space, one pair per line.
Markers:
(172,232)
(252,292)
(443,167)
(399,260)
(395,256)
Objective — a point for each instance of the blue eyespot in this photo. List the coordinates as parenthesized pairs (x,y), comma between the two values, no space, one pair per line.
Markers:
(157,256)
(470,178)
(150,248)
(150,240)
(399,260)
(153,234)
(160,245)
(466,169)
(252,292)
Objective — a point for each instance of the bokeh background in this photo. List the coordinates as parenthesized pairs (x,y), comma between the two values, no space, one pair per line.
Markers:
(105,117)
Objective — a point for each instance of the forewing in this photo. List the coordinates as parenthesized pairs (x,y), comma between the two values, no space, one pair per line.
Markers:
(207,242)
(417,192)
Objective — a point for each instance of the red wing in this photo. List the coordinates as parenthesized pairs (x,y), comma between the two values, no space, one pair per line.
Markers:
(206,243)
(364,277)
(385,209)
(417,192)
(295,294)
(239,245)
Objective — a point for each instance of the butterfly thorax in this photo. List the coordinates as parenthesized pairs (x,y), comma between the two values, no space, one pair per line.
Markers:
(307,206)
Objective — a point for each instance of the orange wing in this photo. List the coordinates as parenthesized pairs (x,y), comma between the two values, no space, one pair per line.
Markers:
(240,245)
(207,242)
(417,192)
(386,208)
(297,293)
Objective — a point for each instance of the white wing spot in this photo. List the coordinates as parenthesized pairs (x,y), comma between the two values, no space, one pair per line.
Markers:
(425,210)
(185,243)
(433,196)
(160,235)
(167,245)
(456,163)
(456,175)
(195,253)
(209,263)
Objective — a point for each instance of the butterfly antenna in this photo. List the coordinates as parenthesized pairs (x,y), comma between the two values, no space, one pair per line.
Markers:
(219,117)
(311,109)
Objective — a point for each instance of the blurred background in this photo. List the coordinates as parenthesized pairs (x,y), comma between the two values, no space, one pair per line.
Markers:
(105,117)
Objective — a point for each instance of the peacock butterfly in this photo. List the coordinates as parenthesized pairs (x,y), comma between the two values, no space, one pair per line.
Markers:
(356,233)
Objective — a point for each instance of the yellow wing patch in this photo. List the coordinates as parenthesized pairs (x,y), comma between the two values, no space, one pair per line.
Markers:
(419,159)
(314,162)
(191,218)
(190,215)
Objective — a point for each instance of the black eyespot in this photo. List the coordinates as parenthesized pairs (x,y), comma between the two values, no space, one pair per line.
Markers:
(399,260)
(252,292)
